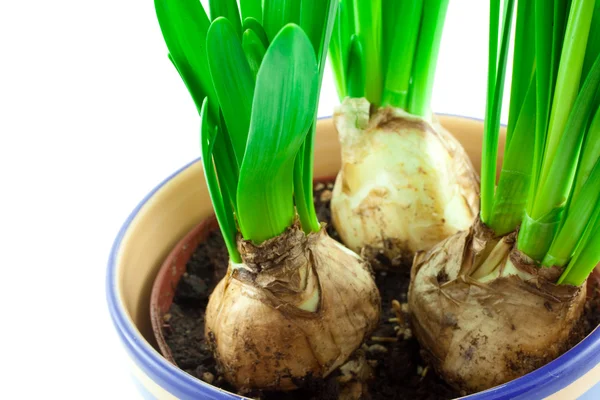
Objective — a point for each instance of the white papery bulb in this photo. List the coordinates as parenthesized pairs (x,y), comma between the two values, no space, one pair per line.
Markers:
(405,183)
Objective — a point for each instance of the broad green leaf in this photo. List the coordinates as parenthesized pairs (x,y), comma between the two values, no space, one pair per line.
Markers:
(251,9)
(283,111)
(220,202)
(227,9)
(278,13)
(184,25)
(233,81)
(254,50)
(254,25)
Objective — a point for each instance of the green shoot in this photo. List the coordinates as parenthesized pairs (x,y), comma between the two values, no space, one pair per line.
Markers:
(496,75)
(398,44)
(550,177)
(554,186)
(256,88)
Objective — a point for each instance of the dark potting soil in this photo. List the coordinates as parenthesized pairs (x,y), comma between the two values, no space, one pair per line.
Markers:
(399,371)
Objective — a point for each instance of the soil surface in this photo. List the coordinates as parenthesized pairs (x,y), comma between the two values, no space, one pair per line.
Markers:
(393,353)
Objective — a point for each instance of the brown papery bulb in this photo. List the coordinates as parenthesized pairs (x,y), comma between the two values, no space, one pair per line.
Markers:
(405,183)
(485,314)
(297,307)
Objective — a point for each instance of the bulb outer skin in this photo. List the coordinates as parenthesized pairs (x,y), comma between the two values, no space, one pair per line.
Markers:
(480,333)
(297,307)
(405,183)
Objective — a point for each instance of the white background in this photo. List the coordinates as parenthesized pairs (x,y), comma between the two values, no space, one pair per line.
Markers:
(92,117)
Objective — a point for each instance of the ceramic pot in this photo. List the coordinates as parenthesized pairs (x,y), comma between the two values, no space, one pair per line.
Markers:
(181,202)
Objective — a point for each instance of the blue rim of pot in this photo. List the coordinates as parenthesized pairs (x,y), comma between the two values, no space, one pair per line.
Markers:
(538,384)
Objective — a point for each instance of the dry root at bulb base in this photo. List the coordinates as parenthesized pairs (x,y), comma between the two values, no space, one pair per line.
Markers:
(484,315)
(405,183)
(297,307)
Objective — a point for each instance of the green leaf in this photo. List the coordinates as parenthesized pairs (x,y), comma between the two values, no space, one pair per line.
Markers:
(303,168)
(587,255)
(251,9)
(208,133)
(283,111)
(593,46)
(577,219)
(552,193)
(227,9)
(513,188)
(497,70)
(401,26)
(356,72)
(428,47)
(368,28)
(337,60)
(254,25)
(524,58)
(569,75)
(278,13)
(254,49)
(591,153)
(233,81)
(225,163)
(184,25)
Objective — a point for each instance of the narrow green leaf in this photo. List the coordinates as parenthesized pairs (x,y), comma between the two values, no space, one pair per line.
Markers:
(543,53)
(337,60)
(303,169)
(233,81)
(254,49)
(401,31)
(497,66)
(524,56)
(225,163)
(278,13)
(283,111)
(254,25)
(591,153)
(511,194)
(552,193)
(577,219)
(587,255)
(368,28)
(356,72)
(569,75)
(184,25)
(251,9)
(428,47)
(227,9)
(224,213)
(593,46)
